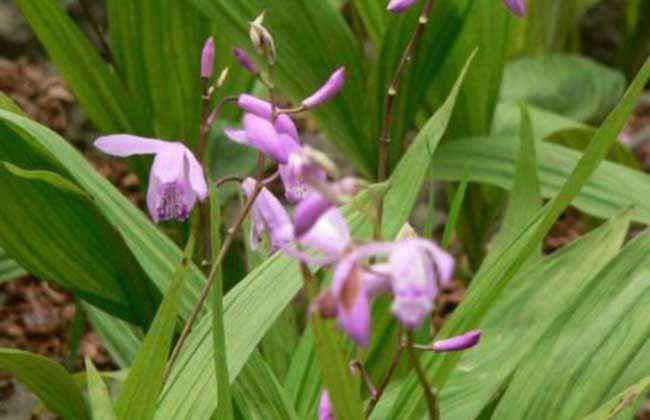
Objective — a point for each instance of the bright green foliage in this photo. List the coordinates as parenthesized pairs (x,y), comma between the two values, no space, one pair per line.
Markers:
(100,402)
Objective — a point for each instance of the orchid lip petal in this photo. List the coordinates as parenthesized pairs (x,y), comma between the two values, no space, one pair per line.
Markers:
(124,145)
(461,342)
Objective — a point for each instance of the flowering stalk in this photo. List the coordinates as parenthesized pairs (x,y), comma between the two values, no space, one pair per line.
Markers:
(397,356)
(429,393)
(391,94)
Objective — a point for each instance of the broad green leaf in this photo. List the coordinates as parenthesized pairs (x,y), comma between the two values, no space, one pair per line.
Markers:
(518,319)
(411,171)
(9,270)
(33,146)
(263,393)
(101,405)
(588,345)
(186,394)
(56,232)
(312,40)
(53,385)
(490,282)
(139,393)
(621,406)
(118,337)
(568,85)
(493,161)
(157,45)
(374,17)
(455,29)
(100,93)
(506,121)
(303,383)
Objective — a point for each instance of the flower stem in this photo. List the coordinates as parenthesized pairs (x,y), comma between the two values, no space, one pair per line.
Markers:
(393,88)
(357,366)
(213,272)
(374,400)
(429,393)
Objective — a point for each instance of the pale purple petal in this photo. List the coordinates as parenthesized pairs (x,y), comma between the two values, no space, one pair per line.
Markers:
(153,192)
(444,262)
(325,411)
(397,6)
(412,308)
(377,279)
(263,136)
(124,145)
(330,234)
(353,305)
(333,86)
(518,7)
(461,342)
(196,177)
(272,214)
(171,196)
(309,210)
(254,105)
(245,60)
(207,59)
(238,136)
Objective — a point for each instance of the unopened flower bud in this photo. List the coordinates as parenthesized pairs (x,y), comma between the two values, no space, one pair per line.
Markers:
(262,39)
(461,342)
(333,85)
(245,60)
(398,6)
(207,59)
(518,7)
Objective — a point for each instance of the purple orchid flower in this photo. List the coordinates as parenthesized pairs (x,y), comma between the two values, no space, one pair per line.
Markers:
(333,86)
(418,269)
(296,176)
(261,134)
(254,105)
(325,411)
(268,216)
(176,180)
(207,59)
(245,60)
(460,342)
(518,7)
(398,6)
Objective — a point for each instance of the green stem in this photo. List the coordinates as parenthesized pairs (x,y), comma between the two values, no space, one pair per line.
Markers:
(429,393)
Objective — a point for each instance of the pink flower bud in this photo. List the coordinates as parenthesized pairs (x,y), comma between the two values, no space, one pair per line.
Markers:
(333,85)
(460,342)
(398,6)
(207,59)
(325,411)
(518,7)
(245,60)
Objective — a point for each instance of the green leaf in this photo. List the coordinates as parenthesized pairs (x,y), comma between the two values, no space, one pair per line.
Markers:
(157,45)
(589,344)
(490,282)
(100,93)
(619,406)
(520,317)
(572,86)
(55,231)
(454,211)
(303,382)
(493,161)
(34,146)
(506,121)
(312,40)
(411,171)
(455,29)
(100,399)
(118,337)
(48,380)
(264,395)
(139,393)
(9,270)
(374,17)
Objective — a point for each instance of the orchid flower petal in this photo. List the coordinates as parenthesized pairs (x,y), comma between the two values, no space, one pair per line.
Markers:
(397,6)
(353,305)
(329,235)
(263,136)
(296,175)
(196,177)
(377,279)
(309,210)
(207,59)
(460,342)
(518,7)
(263,109)
(333,85)
(325,411)
(271,213)
(238,136)
(124,145)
